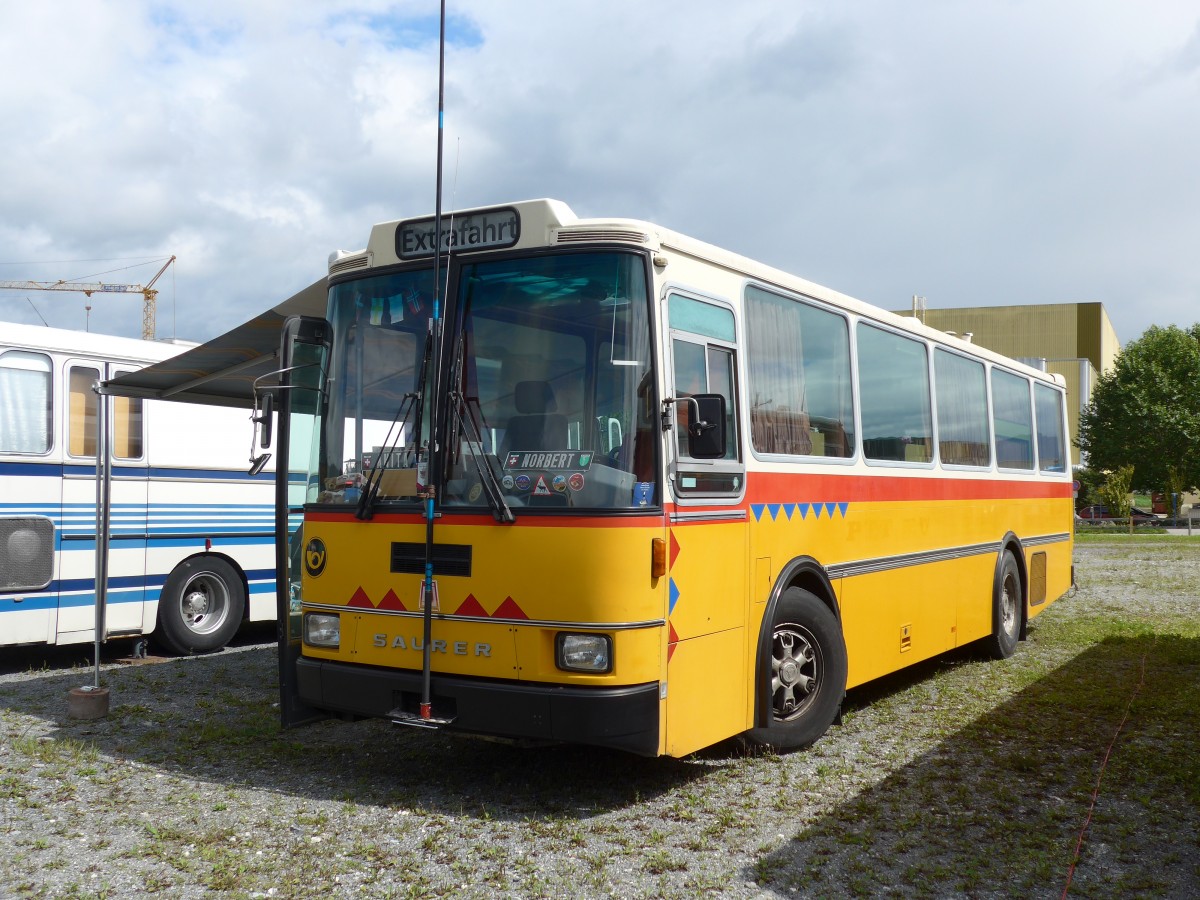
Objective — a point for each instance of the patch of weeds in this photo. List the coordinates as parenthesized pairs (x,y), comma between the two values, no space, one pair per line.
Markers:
(658,862)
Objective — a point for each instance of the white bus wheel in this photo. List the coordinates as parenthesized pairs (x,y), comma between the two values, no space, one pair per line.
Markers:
(201,606)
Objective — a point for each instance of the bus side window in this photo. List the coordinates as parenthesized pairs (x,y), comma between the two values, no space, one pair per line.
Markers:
(128,427)
(26,410)
(81,428)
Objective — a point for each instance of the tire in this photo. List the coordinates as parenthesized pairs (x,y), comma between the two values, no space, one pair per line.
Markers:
(805,675)
(201,606)
(1008,607)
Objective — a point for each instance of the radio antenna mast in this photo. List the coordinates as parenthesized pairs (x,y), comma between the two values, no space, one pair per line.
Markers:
(426,709)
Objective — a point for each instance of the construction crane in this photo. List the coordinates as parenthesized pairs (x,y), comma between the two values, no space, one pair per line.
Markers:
(99,287)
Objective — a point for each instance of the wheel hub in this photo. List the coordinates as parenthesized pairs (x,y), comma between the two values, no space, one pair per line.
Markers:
(195,604)
(789,672)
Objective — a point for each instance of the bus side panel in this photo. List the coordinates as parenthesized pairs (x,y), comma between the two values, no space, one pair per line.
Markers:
(31,490)
(200,492)
(707,697)
(706,691)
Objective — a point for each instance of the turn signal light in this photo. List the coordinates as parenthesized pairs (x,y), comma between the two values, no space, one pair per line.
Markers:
(658,558)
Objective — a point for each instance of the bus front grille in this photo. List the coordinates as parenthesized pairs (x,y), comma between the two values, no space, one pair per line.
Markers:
(408,557)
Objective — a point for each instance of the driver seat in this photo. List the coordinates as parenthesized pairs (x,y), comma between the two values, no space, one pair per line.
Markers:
(537,425)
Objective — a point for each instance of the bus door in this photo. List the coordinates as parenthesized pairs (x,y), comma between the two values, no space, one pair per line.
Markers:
(125,612)
(707,670)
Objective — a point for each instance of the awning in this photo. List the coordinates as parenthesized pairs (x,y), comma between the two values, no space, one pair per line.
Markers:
(222,371)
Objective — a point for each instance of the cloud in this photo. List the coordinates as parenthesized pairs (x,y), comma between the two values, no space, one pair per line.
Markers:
(982,153)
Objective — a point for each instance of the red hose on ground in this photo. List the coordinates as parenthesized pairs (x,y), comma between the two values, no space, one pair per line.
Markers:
(1103,764)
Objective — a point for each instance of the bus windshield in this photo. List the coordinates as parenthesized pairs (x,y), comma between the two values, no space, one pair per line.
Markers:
(548,388)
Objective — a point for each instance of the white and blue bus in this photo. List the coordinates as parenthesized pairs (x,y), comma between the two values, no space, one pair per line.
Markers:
(190,535)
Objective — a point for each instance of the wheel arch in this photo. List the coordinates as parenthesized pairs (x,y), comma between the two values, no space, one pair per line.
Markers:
(802,572)
(1010,542)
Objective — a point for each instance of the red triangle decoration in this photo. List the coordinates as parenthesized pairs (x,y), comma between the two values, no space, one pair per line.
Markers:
(674,549)
(391,601)
(471,607)
(360,598)
(509,610)
(672,640)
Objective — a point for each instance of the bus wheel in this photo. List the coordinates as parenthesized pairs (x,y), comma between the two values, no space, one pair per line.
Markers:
(201,605)
(1007,606)
(807,672)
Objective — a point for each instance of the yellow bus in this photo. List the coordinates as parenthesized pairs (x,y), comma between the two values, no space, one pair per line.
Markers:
(596,481)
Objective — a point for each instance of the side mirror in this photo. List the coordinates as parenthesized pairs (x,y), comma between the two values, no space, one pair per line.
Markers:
(706,426)
(263,420)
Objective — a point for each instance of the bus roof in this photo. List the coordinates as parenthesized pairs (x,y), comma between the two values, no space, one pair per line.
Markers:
(546,222)
(107,346)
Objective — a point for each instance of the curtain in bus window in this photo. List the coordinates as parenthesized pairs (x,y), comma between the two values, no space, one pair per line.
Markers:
(25,407)
(82,427)
(1013,421)
(1048,406)
(963,435)
(127,428)
(799,377)
(893,374)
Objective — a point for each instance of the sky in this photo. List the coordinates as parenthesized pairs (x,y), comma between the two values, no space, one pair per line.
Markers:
(973,152)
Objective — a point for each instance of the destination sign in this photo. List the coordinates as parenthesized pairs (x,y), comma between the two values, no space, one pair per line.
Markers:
(488,229)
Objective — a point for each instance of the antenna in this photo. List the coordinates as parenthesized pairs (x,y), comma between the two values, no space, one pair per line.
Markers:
(39,312)
(426,707)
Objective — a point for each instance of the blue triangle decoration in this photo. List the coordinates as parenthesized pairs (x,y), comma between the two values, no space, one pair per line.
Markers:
(829,508)
(803,507)
(674,596)
(788,509)
(774,508)
(757,509)
(842,509)
(817,510)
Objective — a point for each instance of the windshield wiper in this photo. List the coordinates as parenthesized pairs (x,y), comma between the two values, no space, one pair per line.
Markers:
(487,478)
(466,426)
(412,401)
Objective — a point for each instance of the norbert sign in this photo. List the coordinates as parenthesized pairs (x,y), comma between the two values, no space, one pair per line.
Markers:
(486,230)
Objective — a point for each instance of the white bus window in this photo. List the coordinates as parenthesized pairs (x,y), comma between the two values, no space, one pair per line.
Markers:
(83,404)
(964,438)
(1012,421)
(1048,406)
(26,411)
(893,375)
(799,377)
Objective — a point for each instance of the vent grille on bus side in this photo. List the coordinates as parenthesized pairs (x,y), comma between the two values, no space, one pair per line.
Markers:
(408,558)
(584,237)
(345,264)
(26,553)
(1037,579)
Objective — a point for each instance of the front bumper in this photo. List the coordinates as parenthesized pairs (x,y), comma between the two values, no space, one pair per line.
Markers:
(624,718)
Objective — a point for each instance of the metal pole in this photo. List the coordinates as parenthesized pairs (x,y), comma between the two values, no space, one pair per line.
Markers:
(426,708)
(103,499)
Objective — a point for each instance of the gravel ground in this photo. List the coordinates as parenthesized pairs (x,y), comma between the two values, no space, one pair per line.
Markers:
(959,777)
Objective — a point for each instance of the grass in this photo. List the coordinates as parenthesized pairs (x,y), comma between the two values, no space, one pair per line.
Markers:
(1003,796)
(958,776)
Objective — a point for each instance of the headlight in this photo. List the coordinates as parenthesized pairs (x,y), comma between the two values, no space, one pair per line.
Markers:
(584,652)
(322,630)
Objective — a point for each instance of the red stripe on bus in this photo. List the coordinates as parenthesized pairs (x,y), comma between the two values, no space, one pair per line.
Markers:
(776,487)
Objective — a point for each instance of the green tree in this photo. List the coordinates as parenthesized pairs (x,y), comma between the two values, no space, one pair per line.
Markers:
(1115,491)
(1145,412)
